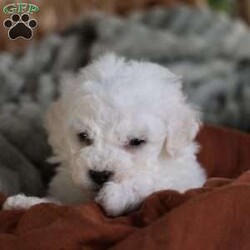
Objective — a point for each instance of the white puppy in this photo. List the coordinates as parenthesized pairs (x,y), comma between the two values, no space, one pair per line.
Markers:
(122,130)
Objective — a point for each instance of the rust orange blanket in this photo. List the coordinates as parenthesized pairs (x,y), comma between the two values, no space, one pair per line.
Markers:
(216,216)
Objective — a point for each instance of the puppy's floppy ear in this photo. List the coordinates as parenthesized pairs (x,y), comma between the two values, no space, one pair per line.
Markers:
(54,125)
(54,118)
(182,128)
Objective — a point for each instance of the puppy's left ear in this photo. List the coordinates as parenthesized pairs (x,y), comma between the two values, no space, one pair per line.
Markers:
(182,128)
(54,125)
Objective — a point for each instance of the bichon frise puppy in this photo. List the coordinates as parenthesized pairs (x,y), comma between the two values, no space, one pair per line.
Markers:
(122,130)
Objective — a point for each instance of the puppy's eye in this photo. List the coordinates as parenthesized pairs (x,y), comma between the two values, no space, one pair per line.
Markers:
(135,142)
(83,137)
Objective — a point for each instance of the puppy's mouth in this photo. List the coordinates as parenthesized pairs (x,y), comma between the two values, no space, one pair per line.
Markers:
(96,189)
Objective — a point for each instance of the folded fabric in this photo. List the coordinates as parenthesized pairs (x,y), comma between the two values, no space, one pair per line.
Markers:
(216,216)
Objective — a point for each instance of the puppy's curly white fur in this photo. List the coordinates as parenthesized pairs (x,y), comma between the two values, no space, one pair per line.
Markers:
(122,130)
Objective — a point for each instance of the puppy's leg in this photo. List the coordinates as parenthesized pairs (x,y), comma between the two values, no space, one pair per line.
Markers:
(63,189)
(21,201)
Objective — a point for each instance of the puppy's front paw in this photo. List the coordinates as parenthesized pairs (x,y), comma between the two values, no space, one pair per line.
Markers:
(21,201)
(116,199)
(112,199)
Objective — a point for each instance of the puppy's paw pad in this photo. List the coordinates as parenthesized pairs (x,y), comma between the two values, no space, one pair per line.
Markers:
(21,201)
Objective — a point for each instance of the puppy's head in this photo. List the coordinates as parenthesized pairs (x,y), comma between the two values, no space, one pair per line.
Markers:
(117,118)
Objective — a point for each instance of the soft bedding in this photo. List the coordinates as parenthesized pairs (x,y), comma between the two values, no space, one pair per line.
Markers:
(216,216)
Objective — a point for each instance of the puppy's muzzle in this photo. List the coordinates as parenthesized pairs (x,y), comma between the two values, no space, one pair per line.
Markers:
(100,177)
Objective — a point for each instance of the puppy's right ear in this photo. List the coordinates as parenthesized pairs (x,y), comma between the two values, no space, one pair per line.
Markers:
(54,125)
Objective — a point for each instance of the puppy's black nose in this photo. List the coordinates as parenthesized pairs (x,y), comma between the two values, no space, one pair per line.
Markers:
(100,177)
